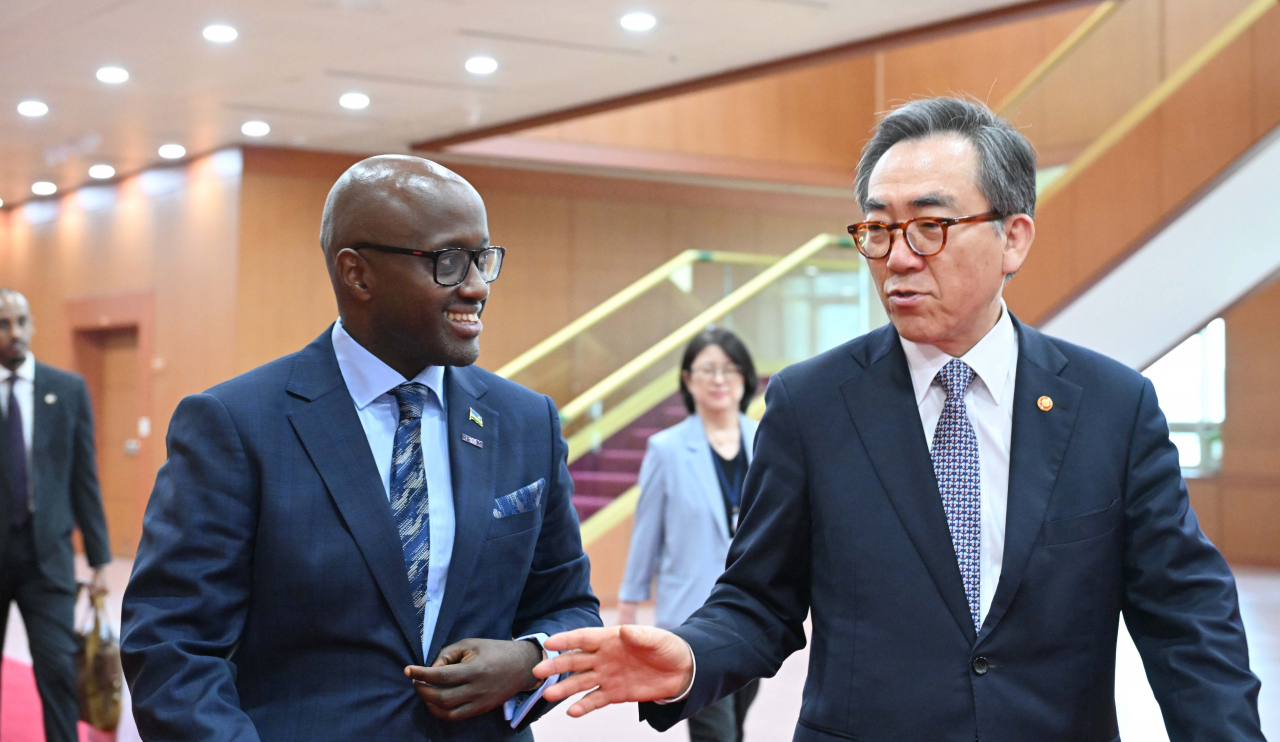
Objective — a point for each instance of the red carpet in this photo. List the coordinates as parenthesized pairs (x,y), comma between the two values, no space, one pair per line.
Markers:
(20,712)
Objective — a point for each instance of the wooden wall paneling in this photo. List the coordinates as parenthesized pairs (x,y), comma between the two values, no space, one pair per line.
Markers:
(1144,179)
(1033,292)
(1251,430)
(1073,105)
(828,113)
(1189,24)
(1266,82)
(986,64)
(284,297)
(531,299)
(1208,123)
(1251,520)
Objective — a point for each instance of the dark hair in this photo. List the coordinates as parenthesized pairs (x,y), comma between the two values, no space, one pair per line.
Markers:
(1006,160)
(733,347)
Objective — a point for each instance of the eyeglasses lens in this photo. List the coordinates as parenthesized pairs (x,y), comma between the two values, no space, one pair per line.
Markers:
(925,236)
(490,263)
(452,265)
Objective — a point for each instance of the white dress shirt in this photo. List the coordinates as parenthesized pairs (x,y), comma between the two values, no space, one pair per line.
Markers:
(370,382)
(989,401)
(25,391)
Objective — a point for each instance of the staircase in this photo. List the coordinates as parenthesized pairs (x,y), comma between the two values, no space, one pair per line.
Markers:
(600,476)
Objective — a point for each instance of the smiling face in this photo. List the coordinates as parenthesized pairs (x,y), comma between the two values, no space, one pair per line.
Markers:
(391,303)
(408,306)
(950,299)
(16,329)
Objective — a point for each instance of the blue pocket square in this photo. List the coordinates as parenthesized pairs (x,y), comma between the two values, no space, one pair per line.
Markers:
(522,500)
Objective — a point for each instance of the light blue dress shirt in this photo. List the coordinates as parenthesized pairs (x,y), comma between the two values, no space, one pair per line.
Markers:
(370,382)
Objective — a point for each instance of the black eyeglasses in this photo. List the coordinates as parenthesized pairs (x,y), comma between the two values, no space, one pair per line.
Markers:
(451,263)
(926,235)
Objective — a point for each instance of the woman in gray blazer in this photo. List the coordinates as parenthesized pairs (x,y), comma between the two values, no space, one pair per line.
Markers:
(690,493)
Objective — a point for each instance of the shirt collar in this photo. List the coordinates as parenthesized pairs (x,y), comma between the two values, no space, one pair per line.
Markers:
(991,359)
(26,372)
(368,377)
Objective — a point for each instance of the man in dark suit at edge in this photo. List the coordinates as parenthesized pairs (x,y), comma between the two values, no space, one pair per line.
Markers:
(329,524)
(48,486)
(964,505)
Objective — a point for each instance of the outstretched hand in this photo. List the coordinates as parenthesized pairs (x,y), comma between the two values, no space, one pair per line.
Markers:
(621,663)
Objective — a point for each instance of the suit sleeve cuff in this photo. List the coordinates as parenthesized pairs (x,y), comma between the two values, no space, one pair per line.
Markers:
(692,677)
(515,709)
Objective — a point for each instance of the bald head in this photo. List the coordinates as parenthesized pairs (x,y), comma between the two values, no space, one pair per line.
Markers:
(391,200)
(16,328)
(389,301)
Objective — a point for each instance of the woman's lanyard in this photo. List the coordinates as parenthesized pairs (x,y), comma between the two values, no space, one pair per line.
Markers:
(730,490)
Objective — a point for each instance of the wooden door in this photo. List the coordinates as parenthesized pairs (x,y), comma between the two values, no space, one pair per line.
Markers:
(109,361)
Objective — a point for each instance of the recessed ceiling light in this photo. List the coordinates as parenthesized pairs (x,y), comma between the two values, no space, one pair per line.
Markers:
(113,75)
(102,172)
(220,33)
(173,151)
(354,101)
(481,65)
(43,188)
(32,108)
(638,21)
(255,128)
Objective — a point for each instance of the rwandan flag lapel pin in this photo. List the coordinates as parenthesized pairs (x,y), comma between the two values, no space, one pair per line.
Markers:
(475,417)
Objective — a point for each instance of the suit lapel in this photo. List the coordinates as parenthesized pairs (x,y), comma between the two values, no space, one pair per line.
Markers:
(474,471)
(882,403)
(697,453)
(43,418)
(330,431)
(1038,445)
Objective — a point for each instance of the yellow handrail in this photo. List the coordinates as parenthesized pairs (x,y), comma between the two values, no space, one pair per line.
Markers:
(1158,95)
(614,381)
(597,313)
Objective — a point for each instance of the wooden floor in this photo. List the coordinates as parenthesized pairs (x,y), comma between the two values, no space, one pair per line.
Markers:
(773,716)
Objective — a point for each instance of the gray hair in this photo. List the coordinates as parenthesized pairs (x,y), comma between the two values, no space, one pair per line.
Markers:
(1006,160)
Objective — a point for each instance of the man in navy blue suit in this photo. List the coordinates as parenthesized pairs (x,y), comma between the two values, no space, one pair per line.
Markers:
(963,505)
(369,538)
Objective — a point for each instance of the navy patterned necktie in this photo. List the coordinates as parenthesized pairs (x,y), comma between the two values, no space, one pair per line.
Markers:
(955,464)
(409,491)
(16,445)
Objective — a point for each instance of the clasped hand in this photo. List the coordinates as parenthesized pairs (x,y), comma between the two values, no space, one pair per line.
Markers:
(618,664)
(474,676)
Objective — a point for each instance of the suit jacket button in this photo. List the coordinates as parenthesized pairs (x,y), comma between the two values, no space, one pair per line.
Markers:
(980,666)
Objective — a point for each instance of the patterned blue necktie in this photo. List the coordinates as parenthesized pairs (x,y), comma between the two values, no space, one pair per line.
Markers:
(409,491)
(17,448)
(955,464)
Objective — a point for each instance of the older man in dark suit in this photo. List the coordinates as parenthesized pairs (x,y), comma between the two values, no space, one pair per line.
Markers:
(48,486)
(964,505)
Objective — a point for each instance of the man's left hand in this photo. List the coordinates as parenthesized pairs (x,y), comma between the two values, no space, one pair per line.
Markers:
(474,676)
(98,584)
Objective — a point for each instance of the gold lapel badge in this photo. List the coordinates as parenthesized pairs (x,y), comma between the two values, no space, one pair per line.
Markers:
(1045,404)
(50,398)
(475,417)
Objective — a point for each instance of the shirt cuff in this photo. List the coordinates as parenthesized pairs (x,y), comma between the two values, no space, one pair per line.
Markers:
(515,709)
(692,677)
